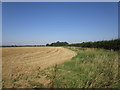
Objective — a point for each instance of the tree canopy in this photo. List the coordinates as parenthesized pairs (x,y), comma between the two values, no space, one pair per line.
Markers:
(106,44)
(58,44)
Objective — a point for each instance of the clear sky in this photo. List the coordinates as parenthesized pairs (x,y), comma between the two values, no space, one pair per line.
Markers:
(41,23)
(0,23)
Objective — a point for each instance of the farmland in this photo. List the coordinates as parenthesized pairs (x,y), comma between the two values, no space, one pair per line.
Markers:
(21,64)
(59,67)
(59,44)
(90,68)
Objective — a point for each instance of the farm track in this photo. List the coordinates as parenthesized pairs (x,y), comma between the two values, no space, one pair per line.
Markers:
(27,60)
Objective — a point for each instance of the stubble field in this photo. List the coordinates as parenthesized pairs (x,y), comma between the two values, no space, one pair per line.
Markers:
(59,67)
(21,65)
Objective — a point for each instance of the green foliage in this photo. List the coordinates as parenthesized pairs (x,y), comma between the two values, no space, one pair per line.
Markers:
(107,44)
(58,44)
(90,68)
(110,44)
(35,84)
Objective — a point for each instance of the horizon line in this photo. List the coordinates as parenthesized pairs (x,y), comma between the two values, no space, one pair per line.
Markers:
(54,42)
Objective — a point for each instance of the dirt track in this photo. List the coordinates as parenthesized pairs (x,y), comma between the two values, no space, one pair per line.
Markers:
(26,60)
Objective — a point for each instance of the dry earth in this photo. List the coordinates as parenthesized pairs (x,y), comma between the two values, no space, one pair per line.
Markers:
(18,61)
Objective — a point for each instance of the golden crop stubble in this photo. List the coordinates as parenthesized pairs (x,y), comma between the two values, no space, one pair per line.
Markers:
(22,61)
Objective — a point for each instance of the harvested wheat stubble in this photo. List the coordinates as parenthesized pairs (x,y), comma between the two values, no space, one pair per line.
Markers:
(27,60)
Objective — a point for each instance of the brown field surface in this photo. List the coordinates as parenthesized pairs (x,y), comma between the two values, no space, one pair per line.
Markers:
(19,62)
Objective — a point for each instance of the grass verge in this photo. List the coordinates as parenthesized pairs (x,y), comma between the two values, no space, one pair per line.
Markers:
(90,68)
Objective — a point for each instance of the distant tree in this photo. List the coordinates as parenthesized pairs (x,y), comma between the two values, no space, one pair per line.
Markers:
(47,44)
(58,43)
(106,44)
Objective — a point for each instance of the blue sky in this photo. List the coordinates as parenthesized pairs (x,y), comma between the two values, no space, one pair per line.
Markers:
(41,23)
(0,24)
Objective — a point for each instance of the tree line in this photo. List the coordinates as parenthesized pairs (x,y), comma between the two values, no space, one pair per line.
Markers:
(58,44)
(106,44)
